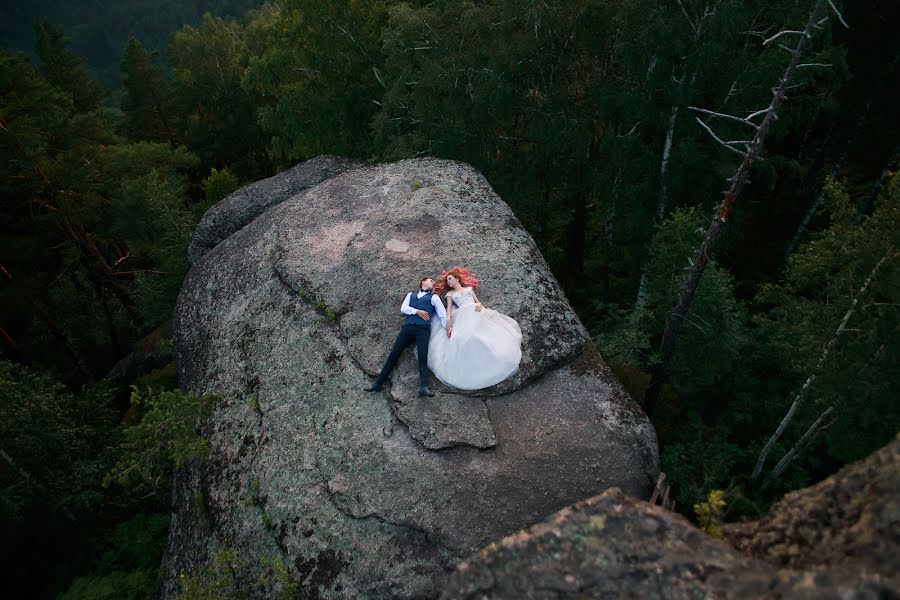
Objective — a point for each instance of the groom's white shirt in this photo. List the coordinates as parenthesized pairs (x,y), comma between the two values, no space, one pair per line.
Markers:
(406,309)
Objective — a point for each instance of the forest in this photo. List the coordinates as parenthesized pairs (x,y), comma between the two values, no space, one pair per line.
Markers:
(618,132)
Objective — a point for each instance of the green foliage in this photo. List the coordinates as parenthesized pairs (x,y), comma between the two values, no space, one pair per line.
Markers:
(217,580)
(118,585)
(564,107)
(697,458)
(73,202)
(799,315)
(317,96)
(215,115)
(56,445)
(165,437)
(219,184)
(99,30)
(65,69)
(329,312)
(127,566)
(161,239)
(147,100)
(714,332)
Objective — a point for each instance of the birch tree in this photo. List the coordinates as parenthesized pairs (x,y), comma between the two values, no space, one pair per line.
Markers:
(683,90)
(810,380)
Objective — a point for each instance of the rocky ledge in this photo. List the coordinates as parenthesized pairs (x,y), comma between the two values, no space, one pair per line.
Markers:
(839,539)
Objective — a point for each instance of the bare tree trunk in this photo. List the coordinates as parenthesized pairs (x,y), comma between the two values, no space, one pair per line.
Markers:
(11,344)
(788,417)
(664,167)
(754,146)
(162,117)
(609,220)
(103,272)
(809,184)
(787,458)
(682,92)
(804,222)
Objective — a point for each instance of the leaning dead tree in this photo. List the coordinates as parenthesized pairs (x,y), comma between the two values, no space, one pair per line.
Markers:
(749,154)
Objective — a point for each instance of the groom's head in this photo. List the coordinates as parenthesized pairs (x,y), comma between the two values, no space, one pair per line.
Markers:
(426,283)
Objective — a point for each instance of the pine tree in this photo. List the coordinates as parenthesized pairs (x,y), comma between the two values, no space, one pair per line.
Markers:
(65,69)
(146,102)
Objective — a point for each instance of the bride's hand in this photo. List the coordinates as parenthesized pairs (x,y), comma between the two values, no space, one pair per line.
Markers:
(449,329)
(478,307)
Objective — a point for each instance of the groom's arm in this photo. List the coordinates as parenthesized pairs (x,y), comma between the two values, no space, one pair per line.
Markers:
(439,307)
(405,308)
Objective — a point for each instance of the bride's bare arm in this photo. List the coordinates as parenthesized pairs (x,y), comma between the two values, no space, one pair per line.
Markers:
(478,305)
(449,314)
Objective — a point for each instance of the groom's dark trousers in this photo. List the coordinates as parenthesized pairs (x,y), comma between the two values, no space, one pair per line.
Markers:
(409,333)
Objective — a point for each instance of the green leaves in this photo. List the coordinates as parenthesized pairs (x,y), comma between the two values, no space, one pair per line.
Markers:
(316,77)
(55,445)
(165,437)
(65,69)
(147,102)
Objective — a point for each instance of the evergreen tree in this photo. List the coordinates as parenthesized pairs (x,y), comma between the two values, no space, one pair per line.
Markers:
(65,69)
(147,102)
(216,117)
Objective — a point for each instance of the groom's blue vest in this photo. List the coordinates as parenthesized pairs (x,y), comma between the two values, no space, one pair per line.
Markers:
(423,303)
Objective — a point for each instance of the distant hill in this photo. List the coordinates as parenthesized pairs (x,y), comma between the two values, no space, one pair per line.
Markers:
(100,28)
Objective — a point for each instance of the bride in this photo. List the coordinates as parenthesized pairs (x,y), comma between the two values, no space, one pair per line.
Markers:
(482,347)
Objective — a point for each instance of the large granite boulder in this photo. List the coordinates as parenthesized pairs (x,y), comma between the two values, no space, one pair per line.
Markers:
(359,495)
(242,206)
(839,539)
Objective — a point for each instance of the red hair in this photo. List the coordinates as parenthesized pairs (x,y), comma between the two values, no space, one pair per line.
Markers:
(466,279)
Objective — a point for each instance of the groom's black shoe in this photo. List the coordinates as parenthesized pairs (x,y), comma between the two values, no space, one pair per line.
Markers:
(375,387)
(425,391)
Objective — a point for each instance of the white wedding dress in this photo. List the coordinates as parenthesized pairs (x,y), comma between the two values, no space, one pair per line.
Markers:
(485,346)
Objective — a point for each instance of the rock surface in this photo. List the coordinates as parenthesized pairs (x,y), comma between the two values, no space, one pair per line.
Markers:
(244,205)
(380,495)
(848,524)
(837,539)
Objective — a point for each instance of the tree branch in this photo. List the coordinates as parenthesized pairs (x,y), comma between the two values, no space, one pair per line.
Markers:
(686,16)
(781,33)
(838,13)
(715,137)
(724,116)
(789,456)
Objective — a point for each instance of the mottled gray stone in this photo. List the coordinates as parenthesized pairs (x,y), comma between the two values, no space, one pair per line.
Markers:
(379,495)
(242,206)
(835,540)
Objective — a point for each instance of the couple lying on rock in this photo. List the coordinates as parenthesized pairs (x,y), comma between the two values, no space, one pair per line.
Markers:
(473,347)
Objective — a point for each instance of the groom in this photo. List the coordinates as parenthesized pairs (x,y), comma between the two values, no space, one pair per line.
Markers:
(419,307)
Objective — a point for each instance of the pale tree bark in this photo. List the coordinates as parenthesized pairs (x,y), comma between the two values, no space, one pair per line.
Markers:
(682,92)
(750,154)
(609,221)
(798,399)
(789,456)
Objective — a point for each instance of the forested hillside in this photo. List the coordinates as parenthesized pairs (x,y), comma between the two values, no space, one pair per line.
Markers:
(605,125)
(99,30)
